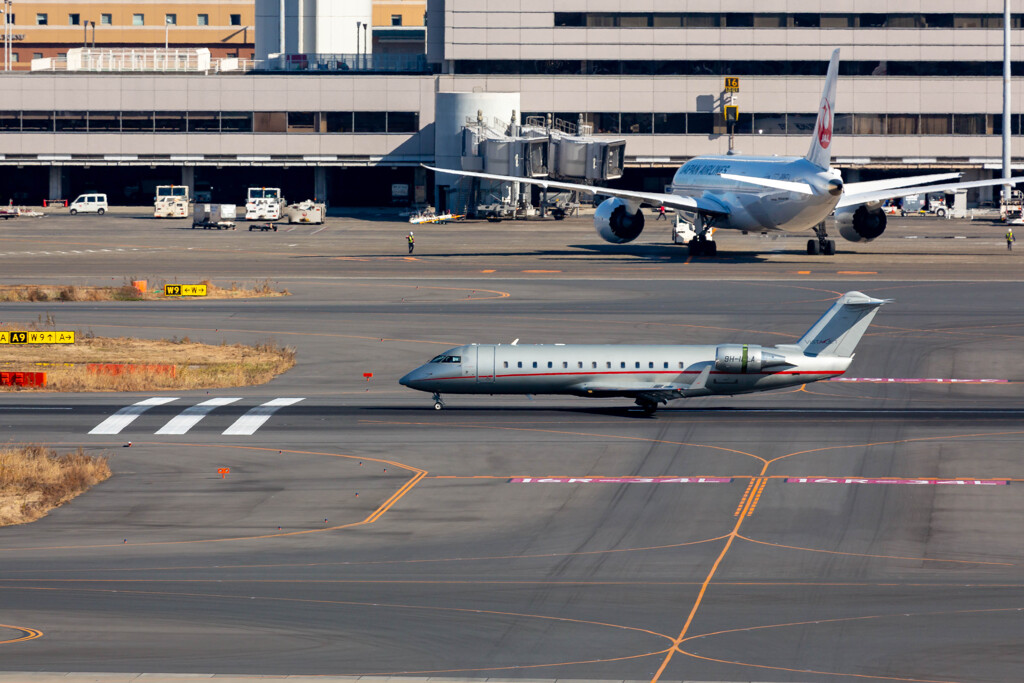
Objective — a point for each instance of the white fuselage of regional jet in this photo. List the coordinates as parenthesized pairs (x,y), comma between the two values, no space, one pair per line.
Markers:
(608,370)
(755,208)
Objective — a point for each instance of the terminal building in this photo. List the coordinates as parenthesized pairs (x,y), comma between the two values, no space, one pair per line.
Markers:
(920,91)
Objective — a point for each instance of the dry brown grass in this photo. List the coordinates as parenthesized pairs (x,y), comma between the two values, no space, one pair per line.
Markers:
(36,479)
(127,292)
(197,366)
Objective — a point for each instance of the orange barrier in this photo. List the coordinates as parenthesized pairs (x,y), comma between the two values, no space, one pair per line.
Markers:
(140,285)
(23,379)
(131,368)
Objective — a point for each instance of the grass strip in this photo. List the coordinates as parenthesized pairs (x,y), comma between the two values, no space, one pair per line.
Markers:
(35,479)
(196,365)
(127,292)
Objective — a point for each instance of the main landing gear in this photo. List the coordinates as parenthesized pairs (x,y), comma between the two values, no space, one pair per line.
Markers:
(649,407)
(438,403)
(821,244)
(702,246)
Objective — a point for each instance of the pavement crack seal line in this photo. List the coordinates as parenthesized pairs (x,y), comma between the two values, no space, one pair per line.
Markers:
(395,606)
(418,475)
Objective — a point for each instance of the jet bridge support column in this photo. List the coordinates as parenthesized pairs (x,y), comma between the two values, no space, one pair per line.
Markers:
(188,179)
(56,189)
(320,183)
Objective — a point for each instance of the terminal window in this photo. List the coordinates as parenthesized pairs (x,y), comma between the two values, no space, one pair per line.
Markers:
(171,19)
(74,19)
(202,20)
(396,19)
(236,19)
(42,20)
(138,20)
(106,19)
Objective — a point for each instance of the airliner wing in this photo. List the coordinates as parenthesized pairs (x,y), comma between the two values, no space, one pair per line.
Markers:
(702,204)
(891,183)
(789,185)
(883,194)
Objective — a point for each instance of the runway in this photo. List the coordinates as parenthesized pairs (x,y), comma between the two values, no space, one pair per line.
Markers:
(837,531)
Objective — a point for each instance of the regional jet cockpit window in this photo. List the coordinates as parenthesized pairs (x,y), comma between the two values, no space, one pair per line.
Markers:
(446,359)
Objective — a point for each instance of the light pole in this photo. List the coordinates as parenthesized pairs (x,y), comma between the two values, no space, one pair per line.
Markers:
(167,31)
(1007,128)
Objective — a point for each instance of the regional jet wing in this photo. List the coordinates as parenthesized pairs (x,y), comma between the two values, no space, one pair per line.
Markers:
(702,204)
(881,195)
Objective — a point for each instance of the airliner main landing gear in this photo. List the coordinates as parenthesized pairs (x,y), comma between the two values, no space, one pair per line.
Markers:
(821,244)
(702,246)
(438,403)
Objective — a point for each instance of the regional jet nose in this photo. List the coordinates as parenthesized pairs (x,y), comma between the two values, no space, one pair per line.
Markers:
(411,379)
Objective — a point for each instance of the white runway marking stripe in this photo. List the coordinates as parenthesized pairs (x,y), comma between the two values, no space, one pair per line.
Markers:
(254,419)
(190,417)
(124,417)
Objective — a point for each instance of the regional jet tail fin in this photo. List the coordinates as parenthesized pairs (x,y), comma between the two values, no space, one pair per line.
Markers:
(820,153)
(837,332)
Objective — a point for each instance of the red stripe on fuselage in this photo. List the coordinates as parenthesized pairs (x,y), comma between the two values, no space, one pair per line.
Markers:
(640,372)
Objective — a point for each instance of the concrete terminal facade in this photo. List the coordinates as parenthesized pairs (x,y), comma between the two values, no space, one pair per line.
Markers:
(920,89)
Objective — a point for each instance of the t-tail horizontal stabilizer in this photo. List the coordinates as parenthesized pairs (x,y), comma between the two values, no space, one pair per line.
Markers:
(837,332)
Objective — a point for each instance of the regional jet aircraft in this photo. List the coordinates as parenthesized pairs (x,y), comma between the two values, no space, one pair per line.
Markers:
(649,374)
(761,194)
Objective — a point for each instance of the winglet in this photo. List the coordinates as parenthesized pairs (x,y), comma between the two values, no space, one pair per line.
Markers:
(820,153)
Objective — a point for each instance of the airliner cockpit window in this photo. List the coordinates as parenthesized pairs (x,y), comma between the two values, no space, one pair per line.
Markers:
(446,359)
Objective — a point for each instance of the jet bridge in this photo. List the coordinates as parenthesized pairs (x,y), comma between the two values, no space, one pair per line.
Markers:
(542,147)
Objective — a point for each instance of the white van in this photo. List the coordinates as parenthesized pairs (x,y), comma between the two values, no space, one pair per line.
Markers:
(89,203)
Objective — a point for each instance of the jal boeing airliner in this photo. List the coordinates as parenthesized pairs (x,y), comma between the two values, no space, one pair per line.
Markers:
(761,194)
(650,374)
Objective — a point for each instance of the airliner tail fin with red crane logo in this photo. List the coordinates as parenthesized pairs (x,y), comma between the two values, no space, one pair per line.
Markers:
(820,153)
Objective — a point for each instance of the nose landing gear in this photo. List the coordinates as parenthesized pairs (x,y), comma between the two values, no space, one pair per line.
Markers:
(438,403)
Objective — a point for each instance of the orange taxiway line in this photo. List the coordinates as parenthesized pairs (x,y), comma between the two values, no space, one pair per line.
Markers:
(397,606)
(370,519)
(882,557)
(567,433)
(833,621)
(28,634)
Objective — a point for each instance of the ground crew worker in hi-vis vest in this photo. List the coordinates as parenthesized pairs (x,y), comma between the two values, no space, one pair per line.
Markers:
(1010,239)
(412,243)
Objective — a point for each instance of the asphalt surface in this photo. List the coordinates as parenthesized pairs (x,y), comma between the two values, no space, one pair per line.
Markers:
(844,529)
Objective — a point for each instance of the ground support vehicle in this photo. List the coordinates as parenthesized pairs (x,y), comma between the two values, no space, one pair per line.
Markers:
(214,216)
(309,211)
(171,201)
(263,204)
(89,203)
(265,227)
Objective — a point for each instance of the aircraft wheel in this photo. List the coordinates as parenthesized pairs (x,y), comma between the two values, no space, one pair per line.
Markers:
(830,248)
(712,249)
(696,249)
(813,248)
(438,406)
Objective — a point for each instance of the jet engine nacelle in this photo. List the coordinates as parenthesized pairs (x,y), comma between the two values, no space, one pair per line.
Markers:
(618,221)
(860,223)
(746,358)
